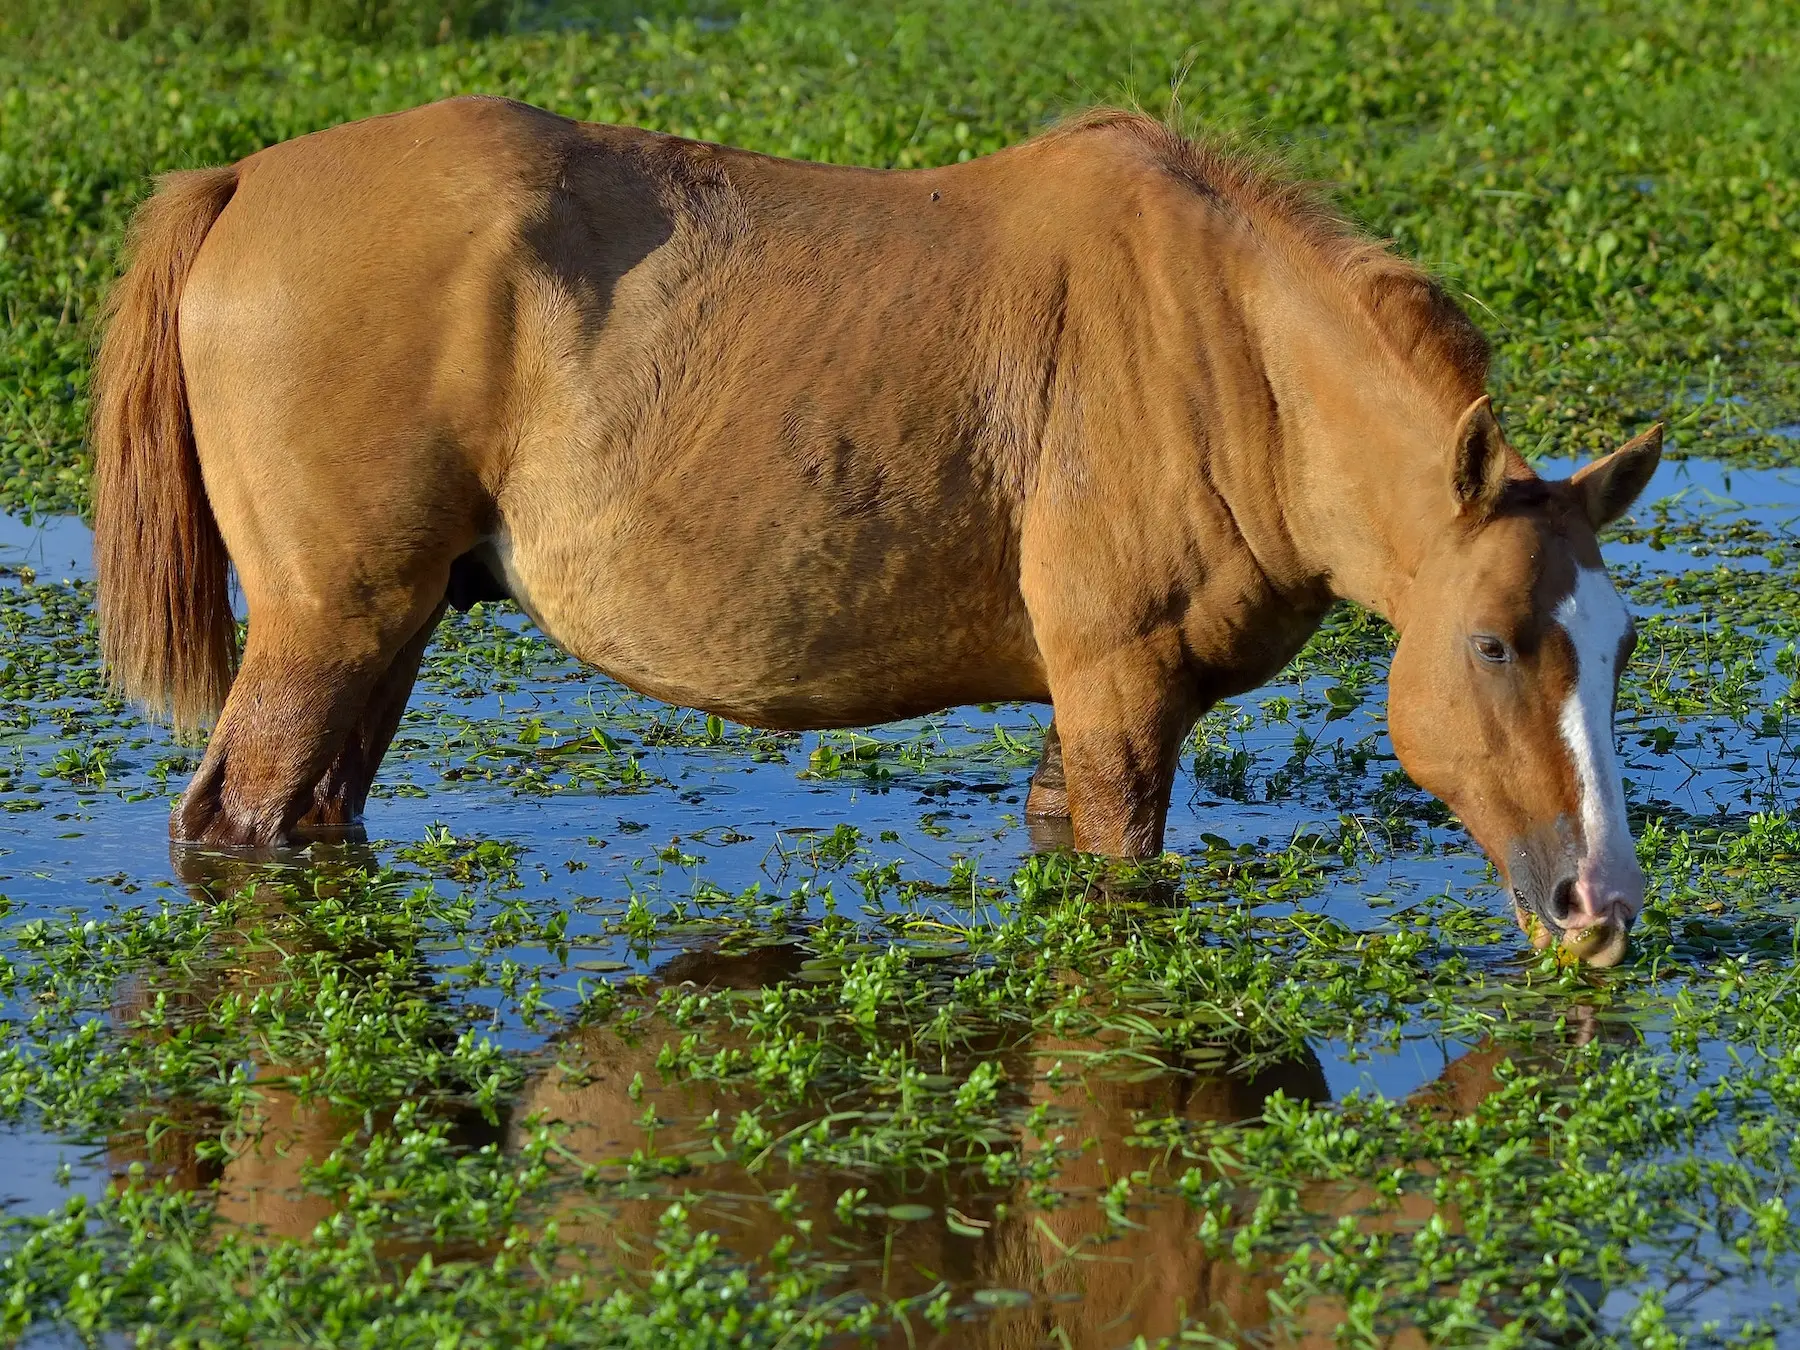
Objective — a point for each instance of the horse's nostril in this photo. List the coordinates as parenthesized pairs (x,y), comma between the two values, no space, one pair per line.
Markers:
(1562,903)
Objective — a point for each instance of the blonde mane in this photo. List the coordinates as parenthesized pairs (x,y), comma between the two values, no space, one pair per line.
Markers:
(1409,310)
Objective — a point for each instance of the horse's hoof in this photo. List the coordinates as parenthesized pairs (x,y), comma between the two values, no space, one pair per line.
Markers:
(1047,802)
(1050,833)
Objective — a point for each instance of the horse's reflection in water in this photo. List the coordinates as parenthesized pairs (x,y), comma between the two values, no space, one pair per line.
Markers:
(1096,1284)
(1066,1273)
(257,1173)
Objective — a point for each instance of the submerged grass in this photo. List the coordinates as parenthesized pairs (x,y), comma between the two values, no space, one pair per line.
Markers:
(639,1028)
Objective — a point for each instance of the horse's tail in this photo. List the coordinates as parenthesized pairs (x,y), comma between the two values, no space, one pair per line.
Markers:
(166,629)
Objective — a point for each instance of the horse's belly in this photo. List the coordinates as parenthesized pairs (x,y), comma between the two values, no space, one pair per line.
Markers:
(779,645)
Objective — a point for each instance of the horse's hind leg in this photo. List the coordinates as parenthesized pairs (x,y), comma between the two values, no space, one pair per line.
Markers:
(339,797)
(308,674)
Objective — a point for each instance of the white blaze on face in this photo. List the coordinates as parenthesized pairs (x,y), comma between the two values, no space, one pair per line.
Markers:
(1596,621)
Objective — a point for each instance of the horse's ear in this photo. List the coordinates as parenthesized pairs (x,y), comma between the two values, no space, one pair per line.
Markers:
(1478,469)
(1607,487)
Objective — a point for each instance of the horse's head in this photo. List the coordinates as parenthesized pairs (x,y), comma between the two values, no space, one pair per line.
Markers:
(1502,693)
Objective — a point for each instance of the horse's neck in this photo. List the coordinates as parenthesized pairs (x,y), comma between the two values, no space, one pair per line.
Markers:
(1363,454)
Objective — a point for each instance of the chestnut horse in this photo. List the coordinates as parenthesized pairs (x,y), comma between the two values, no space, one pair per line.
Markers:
(1105,419)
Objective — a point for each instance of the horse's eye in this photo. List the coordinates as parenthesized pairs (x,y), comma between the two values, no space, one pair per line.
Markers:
(1490,648)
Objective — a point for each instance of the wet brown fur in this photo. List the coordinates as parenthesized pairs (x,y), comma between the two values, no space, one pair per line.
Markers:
(1106,419)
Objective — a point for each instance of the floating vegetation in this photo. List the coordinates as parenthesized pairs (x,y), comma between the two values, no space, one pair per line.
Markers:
(747,1043)
(632,1027)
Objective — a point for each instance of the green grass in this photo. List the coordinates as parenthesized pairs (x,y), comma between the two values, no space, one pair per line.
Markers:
(1614,188)
(509,1080)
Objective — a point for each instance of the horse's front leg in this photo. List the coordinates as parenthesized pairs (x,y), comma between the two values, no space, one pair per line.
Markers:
(1047,804)
(1119,725)
(1049,795)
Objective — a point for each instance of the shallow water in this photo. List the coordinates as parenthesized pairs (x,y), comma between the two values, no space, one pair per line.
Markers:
(596,842)
(55,548)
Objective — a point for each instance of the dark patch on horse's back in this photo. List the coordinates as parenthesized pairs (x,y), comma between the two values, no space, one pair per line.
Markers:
(597,222)
(689,179)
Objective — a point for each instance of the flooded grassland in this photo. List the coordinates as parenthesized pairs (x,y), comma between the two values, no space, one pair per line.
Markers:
(632,1026)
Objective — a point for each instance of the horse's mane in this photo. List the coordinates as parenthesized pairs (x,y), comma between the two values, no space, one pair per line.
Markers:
(1413,314)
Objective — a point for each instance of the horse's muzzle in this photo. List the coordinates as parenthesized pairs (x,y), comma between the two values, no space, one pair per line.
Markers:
(1589,909)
